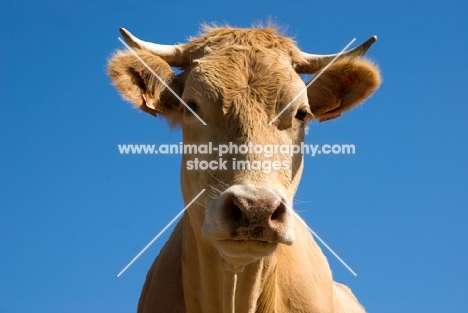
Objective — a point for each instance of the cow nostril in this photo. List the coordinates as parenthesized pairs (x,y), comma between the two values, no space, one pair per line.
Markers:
(279,213)
(234,213)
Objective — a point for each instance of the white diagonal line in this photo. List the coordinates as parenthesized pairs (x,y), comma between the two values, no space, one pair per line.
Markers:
(161,80)
(159,234)
(315,234)
(327,246)
(313,80)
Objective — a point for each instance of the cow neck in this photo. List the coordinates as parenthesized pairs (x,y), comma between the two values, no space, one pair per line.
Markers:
(229,291)
(211,284)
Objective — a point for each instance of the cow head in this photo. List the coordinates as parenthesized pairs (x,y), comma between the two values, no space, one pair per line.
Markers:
(238,81)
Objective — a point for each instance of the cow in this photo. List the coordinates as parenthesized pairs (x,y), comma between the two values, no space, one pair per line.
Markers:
(240,247)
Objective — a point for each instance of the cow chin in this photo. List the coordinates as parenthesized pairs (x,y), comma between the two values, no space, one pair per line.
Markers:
(239,253)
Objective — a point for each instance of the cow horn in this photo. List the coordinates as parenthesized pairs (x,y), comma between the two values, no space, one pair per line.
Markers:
(172,54)
(316,62)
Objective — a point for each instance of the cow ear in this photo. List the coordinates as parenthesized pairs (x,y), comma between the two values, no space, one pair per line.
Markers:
(344,85)
(137,84)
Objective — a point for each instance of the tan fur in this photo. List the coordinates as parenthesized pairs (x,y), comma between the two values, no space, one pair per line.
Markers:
(217,38)
(241,79)
(345,84)
(139,86)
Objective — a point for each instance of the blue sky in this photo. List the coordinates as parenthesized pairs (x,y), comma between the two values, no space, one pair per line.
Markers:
(73,212)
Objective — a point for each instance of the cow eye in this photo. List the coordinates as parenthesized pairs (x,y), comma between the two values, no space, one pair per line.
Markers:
(193,107)
(301,114)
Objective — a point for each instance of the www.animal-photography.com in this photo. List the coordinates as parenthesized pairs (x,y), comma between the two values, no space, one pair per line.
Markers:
(233,157)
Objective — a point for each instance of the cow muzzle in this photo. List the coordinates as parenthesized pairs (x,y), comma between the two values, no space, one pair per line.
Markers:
(249,221)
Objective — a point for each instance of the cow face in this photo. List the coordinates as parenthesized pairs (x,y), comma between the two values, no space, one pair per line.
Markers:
(241,89)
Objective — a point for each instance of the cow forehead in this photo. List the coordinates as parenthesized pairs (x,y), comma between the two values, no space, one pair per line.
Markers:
(253,72)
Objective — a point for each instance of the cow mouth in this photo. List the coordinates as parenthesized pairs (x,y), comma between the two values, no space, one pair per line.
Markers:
(243,252)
